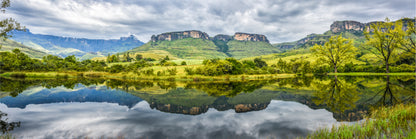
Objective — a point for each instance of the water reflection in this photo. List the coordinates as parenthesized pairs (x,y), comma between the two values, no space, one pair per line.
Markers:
(282,119)
(348,98)
(5,125)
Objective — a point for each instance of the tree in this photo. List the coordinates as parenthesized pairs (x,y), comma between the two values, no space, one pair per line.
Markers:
(385,37)
(139,57)
(108,58)
(336,51)
(183,63)
(260,63)
(167,58)
(8,24)
(409,44)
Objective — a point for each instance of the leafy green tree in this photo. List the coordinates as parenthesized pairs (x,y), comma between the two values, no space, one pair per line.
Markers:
(336,51)
(237,67)
(260,63)
(384,38)
(183,63)
(108,58)
(8,24)
(409,44)
(139,57)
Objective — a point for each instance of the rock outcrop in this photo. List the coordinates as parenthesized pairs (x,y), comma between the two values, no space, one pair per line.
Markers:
(250,37)
(348,25)
(341,26)
(239,36)
(171,36)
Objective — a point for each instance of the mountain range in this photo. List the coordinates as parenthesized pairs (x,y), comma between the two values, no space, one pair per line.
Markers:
(65,46)
(192,44)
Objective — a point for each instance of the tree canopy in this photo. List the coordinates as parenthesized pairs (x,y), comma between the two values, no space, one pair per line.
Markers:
(336,51)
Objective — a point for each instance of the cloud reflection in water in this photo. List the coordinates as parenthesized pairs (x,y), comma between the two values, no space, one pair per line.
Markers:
(281,119)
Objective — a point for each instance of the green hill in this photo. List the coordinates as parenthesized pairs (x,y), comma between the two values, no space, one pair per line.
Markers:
(9,45)
(241,49)
(187,48)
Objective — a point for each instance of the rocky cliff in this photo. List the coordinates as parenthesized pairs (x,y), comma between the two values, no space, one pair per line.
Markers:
(340,26)
(348,25)
(171,36)
(250,37)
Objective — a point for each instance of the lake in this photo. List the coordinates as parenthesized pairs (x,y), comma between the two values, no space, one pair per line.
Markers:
(109,108)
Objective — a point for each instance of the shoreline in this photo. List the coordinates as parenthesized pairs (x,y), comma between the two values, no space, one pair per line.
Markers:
(133,76)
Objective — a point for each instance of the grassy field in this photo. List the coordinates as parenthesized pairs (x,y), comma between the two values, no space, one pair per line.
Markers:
(386,122)
(188,48)
(9,45)
(241,49)
(304,54)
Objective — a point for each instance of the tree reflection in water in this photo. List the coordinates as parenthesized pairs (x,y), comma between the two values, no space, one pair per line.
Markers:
(336,94)
(387,96)
(348,97)
(6,126)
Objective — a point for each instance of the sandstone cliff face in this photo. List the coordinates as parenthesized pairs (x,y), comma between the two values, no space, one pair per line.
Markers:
(340,26)
(170,36)
(250,37)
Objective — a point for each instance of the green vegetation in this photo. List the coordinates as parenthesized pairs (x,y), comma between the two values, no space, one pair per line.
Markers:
(241,49)
(336,51)
(386,122)
(7,24)
(188,48)
(9,45)
(385,38)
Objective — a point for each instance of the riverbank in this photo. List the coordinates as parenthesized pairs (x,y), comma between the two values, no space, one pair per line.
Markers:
(178,77)
(372,73)
(133,76)
(385,122)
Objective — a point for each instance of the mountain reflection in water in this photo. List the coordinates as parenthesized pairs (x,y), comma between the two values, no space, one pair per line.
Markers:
(283,108)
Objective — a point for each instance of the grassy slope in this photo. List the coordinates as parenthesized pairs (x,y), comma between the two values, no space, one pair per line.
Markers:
(241,49)
(9,45)
(189,48)
(386,122)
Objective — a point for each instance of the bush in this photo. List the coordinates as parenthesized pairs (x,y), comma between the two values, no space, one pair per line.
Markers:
(18,75)
(403,68)
(172,71)
(116,68)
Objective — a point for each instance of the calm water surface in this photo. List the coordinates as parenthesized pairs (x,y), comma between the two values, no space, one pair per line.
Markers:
(281,108)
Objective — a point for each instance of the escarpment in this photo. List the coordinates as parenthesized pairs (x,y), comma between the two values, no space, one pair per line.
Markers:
(250,37)
(171,36)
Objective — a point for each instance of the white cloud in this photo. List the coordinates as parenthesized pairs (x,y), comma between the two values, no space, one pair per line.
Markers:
(279,20)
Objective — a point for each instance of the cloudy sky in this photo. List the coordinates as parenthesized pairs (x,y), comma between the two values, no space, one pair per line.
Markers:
(279,20)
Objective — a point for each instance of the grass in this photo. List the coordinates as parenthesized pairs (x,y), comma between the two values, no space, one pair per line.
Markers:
(372,73)
(9,45)
(241,49)
(386,122)
(188,48)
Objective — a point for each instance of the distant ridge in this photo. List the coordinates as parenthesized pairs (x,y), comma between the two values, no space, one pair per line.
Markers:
(195,44)
(64,46)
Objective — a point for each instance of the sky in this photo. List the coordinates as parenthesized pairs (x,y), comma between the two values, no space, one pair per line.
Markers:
(279,20)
